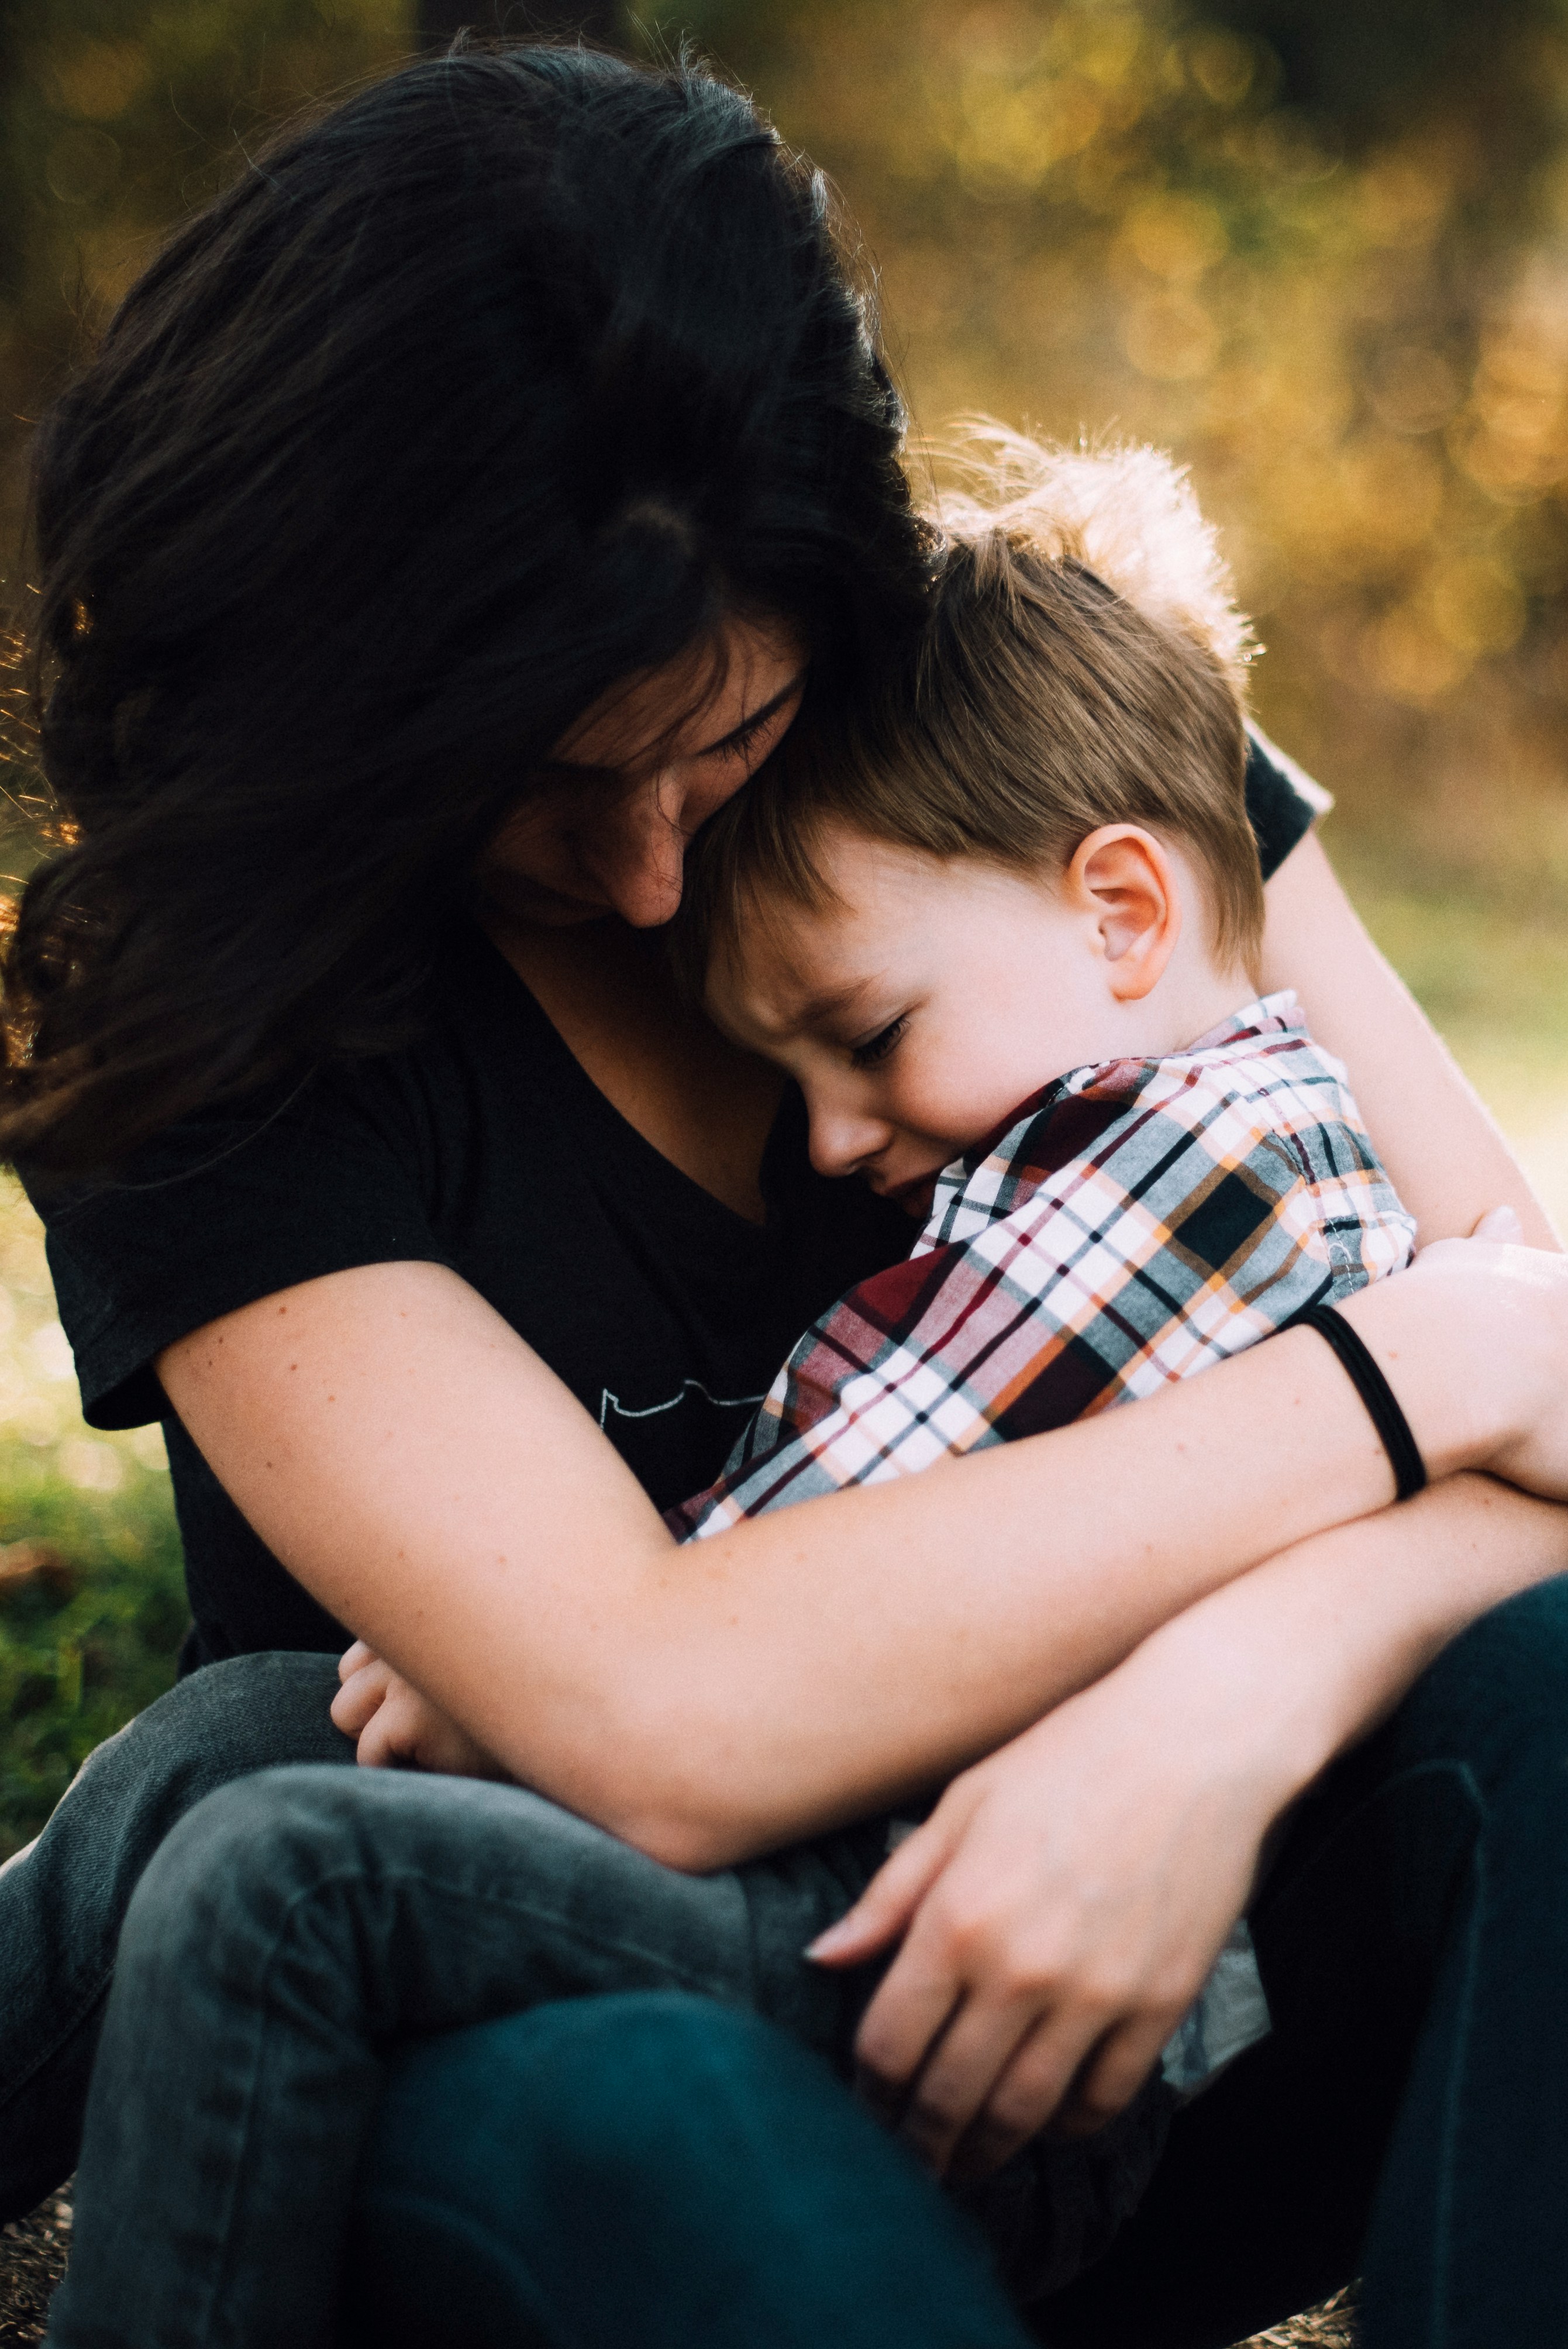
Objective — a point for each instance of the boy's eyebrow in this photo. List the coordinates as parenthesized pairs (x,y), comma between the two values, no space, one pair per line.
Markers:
(818,1008)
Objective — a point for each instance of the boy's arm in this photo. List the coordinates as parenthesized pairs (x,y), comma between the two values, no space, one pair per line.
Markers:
(396,1727)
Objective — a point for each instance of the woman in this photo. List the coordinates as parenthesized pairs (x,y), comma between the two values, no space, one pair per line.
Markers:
(455,515)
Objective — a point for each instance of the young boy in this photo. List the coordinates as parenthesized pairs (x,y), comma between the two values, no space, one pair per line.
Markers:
(1007,942)
(1006,938)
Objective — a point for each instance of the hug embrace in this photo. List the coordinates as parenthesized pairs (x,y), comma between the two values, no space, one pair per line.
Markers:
(618,998)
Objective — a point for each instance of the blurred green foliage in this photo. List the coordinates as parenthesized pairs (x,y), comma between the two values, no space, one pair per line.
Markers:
(1322,252)
(79,1655)
(92,1600)
(116,116)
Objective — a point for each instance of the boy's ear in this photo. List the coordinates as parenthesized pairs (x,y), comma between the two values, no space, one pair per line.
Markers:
(1125,880)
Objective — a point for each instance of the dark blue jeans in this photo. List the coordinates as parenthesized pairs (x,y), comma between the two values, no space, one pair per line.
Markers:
(298,1923)
(650,2171)
(1409,2115)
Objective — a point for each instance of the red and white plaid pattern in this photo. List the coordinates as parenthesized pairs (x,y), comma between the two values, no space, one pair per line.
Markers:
(1132,1223)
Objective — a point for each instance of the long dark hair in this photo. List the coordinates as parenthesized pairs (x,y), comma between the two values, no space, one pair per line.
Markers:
(499,383)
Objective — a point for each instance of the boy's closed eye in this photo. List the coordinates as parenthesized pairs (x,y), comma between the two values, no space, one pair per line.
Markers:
(877,1049)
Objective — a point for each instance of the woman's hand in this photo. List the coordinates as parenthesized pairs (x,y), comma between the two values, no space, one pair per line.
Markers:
(1061,1911)
(396,1728)
(1066,1899)
(1474,1342)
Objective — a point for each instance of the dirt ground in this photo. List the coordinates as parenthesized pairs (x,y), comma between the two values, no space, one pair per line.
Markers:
(33,2259)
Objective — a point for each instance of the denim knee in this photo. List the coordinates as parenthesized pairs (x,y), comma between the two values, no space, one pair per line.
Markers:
(234,1867)
(618,2080)
(248,1713)
(1497,1698)
(653,2167)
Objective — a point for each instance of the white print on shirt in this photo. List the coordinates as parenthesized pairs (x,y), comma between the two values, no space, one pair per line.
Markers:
(609,1403)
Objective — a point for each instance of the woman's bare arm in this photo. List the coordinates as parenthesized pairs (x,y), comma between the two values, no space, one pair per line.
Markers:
(1448,1161)
(413,1463)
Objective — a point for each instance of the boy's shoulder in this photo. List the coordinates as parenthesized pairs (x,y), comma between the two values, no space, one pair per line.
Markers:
(1262,1068)
(1256,1095)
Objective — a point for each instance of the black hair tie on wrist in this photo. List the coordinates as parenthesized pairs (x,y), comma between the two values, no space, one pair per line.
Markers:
(1382,1406)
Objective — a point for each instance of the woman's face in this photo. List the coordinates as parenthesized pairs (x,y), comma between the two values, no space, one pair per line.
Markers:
(608,832)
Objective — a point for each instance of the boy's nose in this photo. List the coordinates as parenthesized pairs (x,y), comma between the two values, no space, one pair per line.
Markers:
(844,1140)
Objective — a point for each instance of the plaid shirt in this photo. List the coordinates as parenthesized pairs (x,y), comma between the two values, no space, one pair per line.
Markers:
(1130,1224)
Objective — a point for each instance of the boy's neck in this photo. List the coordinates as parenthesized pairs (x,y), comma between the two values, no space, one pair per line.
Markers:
(1193,995)
(1188,1003)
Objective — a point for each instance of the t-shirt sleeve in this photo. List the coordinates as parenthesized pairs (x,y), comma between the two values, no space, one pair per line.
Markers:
(231,1205)
(1283,801)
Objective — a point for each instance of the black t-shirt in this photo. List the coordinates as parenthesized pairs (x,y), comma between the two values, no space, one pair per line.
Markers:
(485,1147)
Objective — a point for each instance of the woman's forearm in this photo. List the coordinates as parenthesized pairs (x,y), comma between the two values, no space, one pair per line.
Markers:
(826,1659)
(1301,1659)
(1447,1158)
(897,1632)
(423,1474)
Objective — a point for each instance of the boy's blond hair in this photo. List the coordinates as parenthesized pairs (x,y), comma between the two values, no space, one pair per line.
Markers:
(1082,664)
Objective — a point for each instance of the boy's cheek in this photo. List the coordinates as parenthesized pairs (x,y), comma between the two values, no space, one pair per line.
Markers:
(947,1107)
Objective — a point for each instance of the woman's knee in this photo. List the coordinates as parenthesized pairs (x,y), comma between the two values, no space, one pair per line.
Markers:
(1497,1698)
(672,2109)
(656,2167)
(605,2085)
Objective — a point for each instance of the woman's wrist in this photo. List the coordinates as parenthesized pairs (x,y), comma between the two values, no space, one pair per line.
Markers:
(1231,1691)
(1266,1682)
(1474,1345)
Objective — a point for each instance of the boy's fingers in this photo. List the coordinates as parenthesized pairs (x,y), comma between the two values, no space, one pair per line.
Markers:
(360,1697)
(387,1739)
(884,1908)
(353,1659)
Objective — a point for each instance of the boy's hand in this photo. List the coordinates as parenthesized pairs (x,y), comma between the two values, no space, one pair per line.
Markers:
(1060,1911)
(396,1728)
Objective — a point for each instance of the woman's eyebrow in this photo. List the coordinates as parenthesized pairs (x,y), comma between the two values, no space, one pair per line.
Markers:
(757,717)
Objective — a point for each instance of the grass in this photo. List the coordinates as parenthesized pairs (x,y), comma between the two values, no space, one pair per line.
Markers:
(92,1599)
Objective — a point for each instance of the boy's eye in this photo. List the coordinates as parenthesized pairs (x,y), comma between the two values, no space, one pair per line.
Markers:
(877,1048)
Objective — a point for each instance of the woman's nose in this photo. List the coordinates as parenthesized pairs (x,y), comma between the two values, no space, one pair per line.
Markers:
(636,852)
